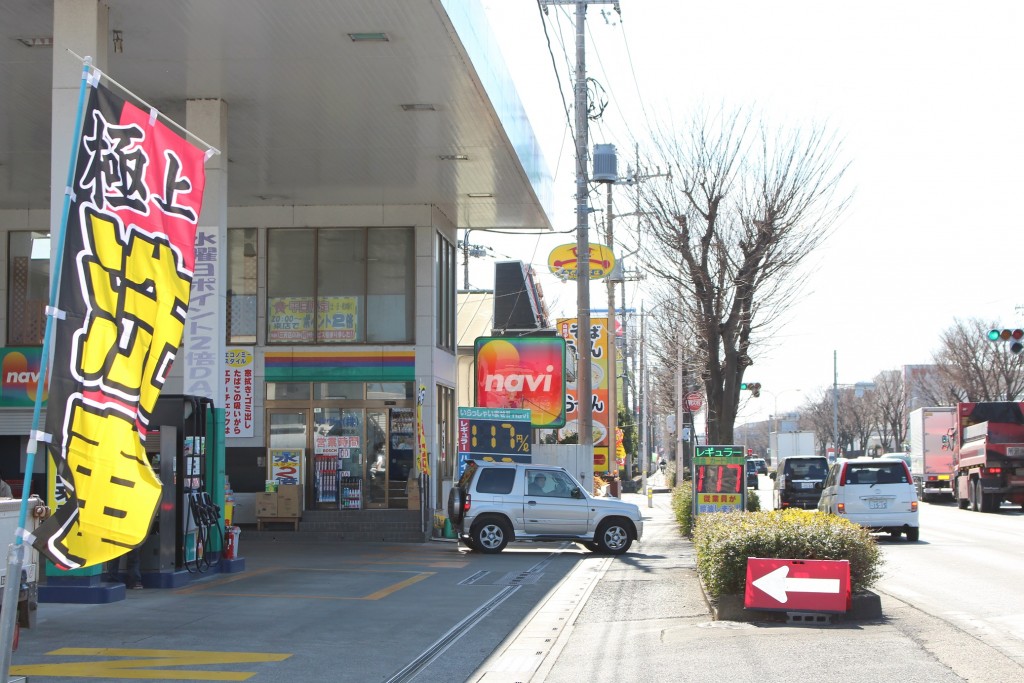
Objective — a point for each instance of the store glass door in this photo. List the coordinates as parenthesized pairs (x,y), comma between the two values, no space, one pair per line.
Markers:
(390,439)
(287,441)
(377,458)
(338,458)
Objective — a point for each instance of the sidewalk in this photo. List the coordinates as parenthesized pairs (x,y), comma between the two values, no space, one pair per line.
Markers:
(643,617)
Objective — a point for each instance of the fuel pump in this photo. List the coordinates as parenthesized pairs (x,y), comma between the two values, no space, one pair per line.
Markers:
(178,444)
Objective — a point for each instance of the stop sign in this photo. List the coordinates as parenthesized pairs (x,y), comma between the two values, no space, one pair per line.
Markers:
(694,401)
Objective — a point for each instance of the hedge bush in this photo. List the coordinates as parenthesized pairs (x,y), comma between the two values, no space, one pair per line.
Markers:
(724,541)
(682,506)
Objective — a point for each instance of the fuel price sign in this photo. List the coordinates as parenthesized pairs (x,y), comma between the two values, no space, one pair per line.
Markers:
(501,434)
(719,479)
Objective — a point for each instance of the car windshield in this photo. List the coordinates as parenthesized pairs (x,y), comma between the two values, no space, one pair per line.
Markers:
(806,469)
(876,473)
(467,476)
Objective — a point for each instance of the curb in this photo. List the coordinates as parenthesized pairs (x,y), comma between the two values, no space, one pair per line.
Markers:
(864,606)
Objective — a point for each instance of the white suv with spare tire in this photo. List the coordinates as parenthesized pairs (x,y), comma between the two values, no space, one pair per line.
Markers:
(494,503)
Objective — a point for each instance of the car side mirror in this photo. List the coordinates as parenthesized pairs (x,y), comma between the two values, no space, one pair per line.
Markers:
(576,493)
(771,475)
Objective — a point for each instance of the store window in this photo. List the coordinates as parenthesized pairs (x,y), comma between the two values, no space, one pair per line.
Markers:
(28,287)
(243,250)
(447,425)
(288,391)
(291,285)
(390,285)
(340,285)
(389,391)
(444,262)
(338,391)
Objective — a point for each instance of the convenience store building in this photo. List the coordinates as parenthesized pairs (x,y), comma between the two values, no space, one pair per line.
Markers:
(356,139)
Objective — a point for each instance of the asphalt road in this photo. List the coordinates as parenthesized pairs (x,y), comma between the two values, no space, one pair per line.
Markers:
(434,613)
(967,569)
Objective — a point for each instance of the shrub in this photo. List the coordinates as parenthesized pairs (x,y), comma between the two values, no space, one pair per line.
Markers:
(724,541)
(682,506)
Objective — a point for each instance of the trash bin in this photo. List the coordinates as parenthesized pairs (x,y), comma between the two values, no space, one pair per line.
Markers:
(231,537)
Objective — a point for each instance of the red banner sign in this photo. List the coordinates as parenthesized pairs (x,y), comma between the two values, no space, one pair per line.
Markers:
(125,278)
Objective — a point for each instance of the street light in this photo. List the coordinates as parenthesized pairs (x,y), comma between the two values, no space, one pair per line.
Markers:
(774,422)
(859,389)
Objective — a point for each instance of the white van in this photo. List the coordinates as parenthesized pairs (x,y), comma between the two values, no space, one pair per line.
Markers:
(877,493)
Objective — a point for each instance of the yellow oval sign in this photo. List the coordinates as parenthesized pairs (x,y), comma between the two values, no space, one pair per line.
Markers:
(563,261)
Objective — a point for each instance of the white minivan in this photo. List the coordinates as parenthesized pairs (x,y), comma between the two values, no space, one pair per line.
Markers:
(877,493)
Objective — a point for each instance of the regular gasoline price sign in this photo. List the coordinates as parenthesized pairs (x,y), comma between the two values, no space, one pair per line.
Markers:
(719,479)
(501,434)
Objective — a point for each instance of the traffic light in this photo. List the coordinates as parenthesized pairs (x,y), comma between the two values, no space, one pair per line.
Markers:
(753,387)
(1015,337)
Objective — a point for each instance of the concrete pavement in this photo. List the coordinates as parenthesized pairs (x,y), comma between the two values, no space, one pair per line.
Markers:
(433,613)
(644,617)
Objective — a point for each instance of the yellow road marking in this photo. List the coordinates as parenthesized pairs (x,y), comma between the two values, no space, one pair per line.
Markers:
(140,667)
(397,587)
(225,579)
(216,587)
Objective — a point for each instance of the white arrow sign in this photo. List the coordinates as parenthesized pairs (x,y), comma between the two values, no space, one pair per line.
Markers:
(777,584)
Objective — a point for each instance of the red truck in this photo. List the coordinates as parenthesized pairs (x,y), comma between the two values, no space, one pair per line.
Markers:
(988,444)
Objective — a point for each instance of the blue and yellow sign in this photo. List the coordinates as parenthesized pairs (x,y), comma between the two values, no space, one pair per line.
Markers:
(501,434)
(719,479)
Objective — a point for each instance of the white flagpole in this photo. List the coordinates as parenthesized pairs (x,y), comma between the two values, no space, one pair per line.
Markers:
(16,551)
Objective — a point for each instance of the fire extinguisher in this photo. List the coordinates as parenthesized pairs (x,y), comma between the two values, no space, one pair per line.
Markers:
(229,545)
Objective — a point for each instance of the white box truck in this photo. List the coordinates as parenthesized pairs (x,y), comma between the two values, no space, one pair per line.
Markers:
(785,444)
(930,431)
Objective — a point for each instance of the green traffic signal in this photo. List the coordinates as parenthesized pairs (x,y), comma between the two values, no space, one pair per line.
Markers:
(744,386)
(993,335)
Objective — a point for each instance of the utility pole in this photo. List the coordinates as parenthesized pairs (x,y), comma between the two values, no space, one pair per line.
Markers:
(584,384)
(613,362)
(835,403)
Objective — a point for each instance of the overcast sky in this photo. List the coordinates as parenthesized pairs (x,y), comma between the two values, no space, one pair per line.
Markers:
(927,96)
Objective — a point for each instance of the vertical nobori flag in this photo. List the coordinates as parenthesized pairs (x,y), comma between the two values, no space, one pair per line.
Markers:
(125,277)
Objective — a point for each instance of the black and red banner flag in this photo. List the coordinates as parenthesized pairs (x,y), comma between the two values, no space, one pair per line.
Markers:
(125,275)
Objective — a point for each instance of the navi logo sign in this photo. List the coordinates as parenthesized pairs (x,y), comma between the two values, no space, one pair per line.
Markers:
(19,372)
(523,372)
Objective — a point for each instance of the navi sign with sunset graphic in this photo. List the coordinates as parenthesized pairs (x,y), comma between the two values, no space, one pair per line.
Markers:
(522,372)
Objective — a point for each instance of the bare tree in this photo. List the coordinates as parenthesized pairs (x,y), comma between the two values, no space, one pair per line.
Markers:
(976,369)
(890,400)
(816,415)
(745,205)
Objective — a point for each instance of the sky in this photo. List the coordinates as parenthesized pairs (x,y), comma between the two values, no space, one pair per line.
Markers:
(926,96)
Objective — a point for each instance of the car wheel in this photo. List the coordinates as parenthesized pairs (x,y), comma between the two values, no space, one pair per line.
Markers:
(591,546)
(468,542)
(972,494)
(490,535)
(612,537)
(913,534)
